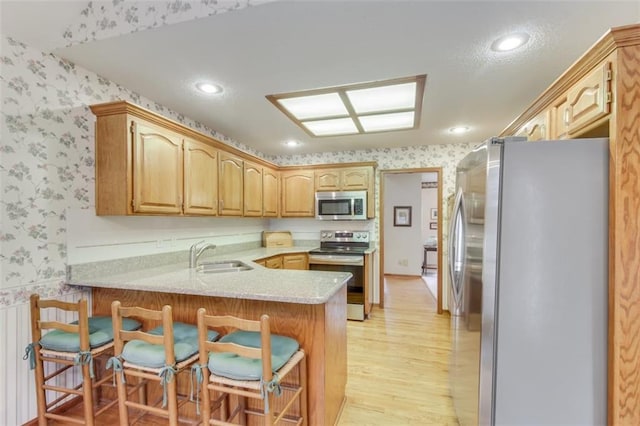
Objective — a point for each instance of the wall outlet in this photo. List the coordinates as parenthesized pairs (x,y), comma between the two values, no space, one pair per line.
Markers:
(403,262)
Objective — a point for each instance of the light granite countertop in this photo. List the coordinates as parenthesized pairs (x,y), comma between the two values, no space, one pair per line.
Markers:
(259,283)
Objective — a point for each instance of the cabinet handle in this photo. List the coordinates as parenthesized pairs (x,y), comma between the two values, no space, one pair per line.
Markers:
(566,116)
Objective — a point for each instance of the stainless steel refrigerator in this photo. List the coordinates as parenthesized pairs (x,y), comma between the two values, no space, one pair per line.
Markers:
(528,266)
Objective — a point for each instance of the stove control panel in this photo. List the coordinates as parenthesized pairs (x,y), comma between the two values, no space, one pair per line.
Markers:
(344,236)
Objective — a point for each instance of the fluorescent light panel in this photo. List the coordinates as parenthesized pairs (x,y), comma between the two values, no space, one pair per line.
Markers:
(318,106)
(338,126)
(386,98)
(386,122)
(360,108)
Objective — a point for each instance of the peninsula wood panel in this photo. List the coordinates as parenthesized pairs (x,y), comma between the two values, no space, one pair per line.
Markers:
(320,329)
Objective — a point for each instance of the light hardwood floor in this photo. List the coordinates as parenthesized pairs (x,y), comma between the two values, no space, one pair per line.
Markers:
(398,361)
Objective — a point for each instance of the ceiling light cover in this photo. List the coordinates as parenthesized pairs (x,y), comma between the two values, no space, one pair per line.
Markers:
(385,122)
(317,106)
(510,42)
(458,130)
(356,108)
(386,98)
(209,88)
(338,126)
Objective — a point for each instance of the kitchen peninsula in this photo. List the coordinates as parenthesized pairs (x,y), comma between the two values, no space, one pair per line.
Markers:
(309,306)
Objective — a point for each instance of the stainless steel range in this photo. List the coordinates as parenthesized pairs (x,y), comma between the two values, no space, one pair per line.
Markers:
(343,251)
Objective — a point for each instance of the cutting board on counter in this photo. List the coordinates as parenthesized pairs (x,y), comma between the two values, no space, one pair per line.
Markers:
(277,239)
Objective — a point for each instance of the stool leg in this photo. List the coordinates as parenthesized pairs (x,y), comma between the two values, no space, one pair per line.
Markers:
(40,392)
(87,395)
(122,399)
(302,371)
(173,402)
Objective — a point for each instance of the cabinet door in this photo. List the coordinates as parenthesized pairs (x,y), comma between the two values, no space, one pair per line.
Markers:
(295,261)
(327,180)
(536,129)
(230,185)
(252,189)
(356,179)
(200,178)
(270,192)
(297,193)
(590,99)
(157,169)
(560,118)
(273,262)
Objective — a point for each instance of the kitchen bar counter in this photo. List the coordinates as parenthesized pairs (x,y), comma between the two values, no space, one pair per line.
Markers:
(309,306)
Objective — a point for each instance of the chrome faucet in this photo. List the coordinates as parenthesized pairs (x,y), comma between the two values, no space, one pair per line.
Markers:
(196,251)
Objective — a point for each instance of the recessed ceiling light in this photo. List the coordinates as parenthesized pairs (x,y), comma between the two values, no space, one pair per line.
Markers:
(292,143)
(209,88)
(458,130)
(510,42)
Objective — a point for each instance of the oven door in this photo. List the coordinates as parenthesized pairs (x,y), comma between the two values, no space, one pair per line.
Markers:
(355,286)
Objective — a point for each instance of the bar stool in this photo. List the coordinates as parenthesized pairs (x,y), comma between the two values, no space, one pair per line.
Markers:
(68,346)
(156,355)
(250,362)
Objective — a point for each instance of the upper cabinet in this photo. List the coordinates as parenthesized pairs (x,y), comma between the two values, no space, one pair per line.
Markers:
(147,164)
(298,193)
(230,185)
(200,178)
(344,179)
(157,169)
(270,192)
(536,129)
(253,192)
(589,100)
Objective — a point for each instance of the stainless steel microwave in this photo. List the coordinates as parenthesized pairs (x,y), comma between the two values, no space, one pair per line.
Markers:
(342,205)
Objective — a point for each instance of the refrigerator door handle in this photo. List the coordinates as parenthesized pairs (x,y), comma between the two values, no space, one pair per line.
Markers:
(457,251)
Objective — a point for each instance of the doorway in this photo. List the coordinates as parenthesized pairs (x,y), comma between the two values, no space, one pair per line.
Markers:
(390,206)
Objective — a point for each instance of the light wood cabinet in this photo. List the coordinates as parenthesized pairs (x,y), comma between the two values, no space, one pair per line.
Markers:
(298,193)
(344,179)
(298,261)
(273,262)
(590,99)
(270,192)
(560,118)
(253,191)
(230,185)
(536,129)
(157,169)
(200,178)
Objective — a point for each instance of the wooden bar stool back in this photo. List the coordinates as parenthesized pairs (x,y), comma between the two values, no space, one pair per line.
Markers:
(156,355)
(64,347)
(250,362)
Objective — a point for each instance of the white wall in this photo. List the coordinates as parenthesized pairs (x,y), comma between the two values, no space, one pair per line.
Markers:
(403,244)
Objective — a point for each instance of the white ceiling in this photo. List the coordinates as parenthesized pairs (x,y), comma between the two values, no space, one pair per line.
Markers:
(287,46)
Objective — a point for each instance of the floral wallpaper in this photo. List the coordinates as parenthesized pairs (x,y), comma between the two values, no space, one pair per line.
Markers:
(102,19)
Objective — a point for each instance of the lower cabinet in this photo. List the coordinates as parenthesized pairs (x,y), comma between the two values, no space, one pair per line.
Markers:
(298,261)
(295,261)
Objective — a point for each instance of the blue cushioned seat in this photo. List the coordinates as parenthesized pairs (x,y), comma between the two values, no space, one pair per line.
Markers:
(185,337)
(237,367)
(100,333)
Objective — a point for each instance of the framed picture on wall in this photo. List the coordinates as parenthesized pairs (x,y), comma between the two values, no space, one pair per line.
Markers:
(433,225)
(434,214)
(402,216)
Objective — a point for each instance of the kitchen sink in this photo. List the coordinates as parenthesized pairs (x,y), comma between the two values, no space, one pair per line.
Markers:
(223,266)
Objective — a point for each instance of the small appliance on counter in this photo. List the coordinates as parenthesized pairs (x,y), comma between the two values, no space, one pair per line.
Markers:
(343,251)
